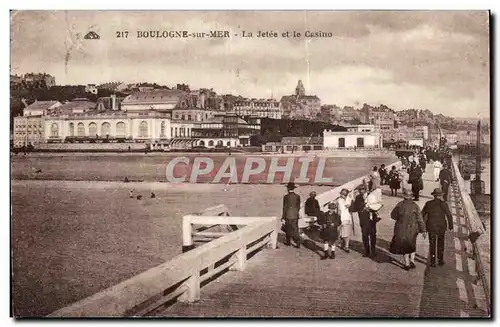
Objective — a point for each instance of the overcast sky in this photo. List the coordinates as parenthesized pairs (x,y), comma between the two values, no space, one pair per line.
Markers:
(427,60)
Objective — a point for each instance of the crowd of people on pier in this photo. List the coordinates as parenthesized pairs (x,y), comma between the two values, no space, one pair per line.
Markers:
(337,225)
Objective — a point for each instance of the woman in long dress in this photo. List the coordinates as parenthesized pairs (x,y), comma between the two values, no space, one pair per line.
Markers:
(437,169)
(409,223)
(344,202)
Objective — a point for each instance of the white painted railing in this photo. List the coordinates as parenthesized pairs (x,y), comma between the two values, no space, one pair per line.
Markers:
(475,228)
(181,277)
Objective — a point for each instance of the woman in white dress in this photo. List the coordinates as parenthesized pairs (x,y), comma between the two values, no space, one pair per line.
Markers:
(437,169)
(344,202)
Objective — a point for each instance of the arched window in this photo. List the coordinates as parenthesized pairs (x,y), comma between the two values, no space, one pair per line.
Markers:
(105,129)
(92,129)
(228,143)
(183,117)
(162,129)
(202,143)
(219,143)
(120,129)
(80,129)
(143,129)
(210,143)
(54,130)
(71,129)
(189,117)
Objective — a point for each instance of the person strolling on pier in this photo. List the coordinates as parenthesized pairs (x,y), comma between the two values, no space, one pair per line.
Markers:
(415,179)
(329,232)
(409,223)
(291,207)
(437,217)
(374,180)
(346,228)
(437,169)
(367,224)
(445,179)
(394,181)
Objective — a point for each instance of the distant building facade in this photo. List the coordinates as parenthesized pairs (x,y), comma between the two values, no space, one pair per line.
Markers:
(351,140)
(300,105)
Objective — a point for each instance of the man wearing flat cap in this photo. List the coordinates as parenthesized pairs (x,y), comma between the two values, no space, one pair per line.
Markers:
(437,217)
(291,207)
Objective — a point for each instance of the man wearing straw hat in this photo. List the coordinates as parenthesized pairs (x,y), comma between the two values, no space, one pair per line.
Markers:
(291,207)
(437,216)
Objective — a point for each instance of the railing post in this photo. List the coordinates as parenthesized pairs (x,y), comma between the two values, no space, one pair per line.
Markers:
(187,234)
(273,242)
(241,259)
(193,289)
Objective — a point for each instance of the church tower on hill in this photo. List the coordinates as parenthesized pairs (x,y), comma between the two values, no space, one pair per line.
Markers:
(300,91)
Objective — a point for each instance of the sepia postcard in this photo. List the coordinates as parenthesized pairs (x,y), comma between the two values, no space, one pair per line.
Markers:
(241,164)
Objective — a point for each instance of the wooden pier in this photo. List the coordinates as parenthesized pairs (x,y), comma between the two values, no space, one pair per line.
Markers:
(258,280)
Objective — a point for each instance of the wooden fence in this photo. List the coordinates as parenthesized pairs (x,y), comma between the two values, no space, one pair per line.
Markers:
(181,278)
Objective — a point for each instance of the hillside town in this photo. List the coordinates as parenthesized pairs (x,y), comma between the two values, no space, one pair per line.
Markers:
(154,117)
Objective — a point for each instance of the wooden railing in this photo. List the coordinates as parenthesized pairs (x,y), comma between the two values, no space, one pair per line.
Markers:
(476,229)
(182,277)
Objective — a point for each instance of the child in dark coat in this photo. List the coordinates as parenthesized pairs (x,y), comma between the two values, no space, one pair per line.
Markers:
(329,232)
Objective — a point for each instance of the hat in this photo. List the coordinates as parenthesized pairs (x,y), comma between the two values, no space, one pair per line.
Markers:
(312,193)
(344,191)
(362,187)
(291,186)
(407,194)
(437,191)
(332,205)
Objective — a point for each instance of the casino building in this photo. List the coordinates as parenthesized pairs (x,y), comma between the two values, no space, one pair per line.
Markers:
(162,119)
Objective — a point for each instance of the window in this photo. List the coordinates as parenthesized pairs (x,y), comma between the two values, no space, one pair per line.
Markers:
(176,132)
(183,117)
(210,143)
(105,128)
(92,129)
(54,130)
(143,129)
(162,129)
(341,142)
(171,131)
(189,117)
(360,142)
(120,129)
(228,143)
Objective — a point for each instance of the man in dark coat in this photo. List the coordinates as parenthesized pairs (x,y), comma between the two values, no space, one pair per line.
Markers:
(368,226)
(312,207)
(291,207)
(437,216)
(445,178)
(415,179)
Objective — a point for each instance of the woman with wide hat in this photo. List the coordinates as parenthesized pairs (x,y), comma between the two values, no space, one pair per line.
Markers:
(329,232)
(409,223)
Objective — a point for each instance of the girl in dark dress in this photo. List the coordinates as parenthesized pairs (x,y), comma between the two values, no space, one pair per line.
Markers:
(394,181)
(329,232)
